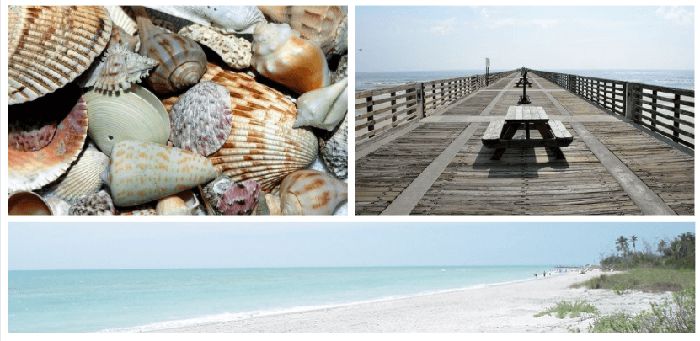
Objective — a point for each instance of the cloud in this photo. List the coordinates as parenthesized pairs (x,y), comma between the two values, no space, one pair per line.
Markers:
(678,15)
(494,22)
(443,27)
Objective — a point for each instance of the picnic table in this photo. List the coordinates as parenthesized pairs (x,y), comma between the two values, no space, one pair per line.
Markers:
(499,133)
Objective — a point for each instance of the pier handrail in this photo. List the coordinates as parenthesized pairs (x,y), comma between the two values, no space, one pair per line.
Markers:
(669,112)
(378,111)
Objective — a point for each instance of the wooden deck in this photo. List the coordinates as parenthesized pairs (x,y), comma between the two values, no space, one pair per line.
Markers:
(438,166)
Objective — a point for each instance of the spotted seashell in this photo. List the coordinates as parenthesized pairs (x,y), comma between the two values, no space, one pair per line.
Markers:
(325,25)
(119,69)
(323,108)
(30,136)
(181,61)
(99,203)
(310,192)
(201,118)
(262,144)
(334,150)
(282,56)
(234,51)
(230,19)
(139,212)
(224,197)
(140,172)
(183,203)
(134,115)
(27,203)
(50,46)
(84,177)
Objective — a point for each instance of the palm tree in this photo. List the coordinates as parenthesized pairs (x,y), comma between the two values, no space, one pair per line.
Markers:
(634,243)
(622,245)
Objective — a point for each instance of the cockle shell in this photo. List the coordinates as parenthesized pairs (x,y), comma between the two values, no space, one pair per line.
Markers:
(121,19)
(231,19)
(84,177)
(201,118)
(33,168)
(183,203)
(99,203)
(325,25)
(135,114)
(282,56)
(323,108)
(310,192)
(262,145)
(224,197)
(140,172)
(181,61)
(334,150)
(27,203)
(50,46)
(119,69)
(234,51)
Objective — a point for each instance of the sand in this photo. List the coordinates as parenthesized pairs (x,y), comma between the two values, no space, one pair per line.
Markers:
(498,308)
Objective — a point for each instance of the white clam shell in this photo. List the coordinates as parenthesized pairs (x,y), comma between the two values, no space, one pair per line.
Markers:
(84,177)
(323,108)
(231,19)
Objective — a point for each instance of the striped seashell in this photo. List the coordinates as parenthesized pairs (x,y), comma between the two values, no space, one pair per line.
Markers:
(310,192)
(121,19)
(262,144)
(84,177)
(181,61)
(183,203)
(282,56)
(120,37)
(27,203)
(32,169)
(325,25)
(98,204)
(140,172)
(234,51)
(334,150)
(50,47)
(323,108)
(135,115)
(201,118)
(119,69)
(230,19)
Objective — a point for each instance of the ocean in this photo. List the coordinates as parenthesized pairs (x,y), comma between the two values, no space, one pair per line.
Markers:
(143,300)
(683,79)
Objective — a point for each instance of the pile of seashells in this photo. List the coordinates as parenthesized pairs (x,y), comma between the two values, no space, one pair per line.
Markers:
(241,110)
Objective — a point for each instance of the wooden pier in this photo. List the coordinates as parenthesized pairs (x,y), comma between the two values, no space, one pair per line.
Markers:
(419,149)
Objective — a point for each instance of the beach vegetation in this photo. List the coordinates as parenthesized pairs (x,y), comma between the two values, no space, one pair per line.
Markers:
(676,253)
(569,309)
(643,279)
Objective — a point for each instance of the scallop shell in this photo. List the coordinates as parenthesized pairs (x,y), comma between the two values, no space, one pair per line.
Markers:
(201,118)
(323,108)
(310,192)
(32,169)
(27,203)
(140,172)
(181,61)
(50,46)
(262,145)
(183,203)
(235,52)
(334,150)
(135,115)
(231,19)
(84,177)
(325,25)
(99,203)
(282,56)
(119,69)
(121,19)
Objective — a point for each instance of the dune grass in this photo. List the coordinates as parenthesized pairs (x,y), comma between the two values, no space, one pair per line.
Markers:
(643,279)
(569,309)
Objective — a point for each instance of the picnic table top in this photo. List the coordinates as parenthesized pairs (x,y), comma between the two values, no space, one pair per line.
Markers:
(526,113)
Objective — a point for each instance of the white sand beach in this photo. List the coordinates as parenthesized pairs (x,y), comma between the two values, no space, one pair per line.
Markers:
(498,308)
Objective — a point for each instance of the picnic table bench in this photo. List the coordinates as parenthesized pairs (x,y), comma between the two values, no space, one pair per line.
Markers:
(499,133)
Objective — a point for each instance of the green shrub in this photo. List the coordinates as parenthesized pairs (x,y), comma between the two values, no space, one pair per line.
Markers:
(571,309)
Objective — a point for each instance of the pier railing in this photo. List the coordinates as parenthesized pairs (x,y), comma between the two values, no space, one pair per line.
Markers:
(669,112)
(378,111)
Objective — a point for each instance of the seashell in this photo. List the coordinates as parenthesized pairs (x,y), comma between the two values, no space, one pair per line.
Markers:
(235,52)
(183,203)
(282,56)
(325,25)
(36,163)
(27,203)
(181,61)
(120,37)
(135,115)
(310,192)
(50,46)
(84,177)
(334,150)
(140,212)
(231,19)
(118,69)
(224,197)
(262,144)
(341,71)
(323,108)
(99,203)
(121,19)
(269,204)
(140,172)
(201,118)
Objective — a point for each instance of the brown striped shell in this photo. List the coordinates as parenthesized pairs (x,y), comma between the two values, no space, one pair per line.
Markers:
(324,25)
(310,192)
(262,145)
(181,61)
(50,46)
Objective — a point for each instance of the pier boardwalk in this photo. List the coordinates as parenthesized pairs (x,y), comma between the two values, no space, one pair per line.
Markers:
(419,149)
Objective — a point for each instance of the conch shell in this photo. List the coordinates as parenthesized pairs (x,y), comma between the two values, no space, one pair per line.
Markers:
(231,19)
(119,69)
(323,108)
(327,26)
(310,192)
(144,171)
(282,56)
(50,46)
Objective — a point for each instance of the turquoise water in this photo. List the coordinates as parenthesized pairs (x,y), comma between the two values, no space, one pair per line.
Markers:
(141,300)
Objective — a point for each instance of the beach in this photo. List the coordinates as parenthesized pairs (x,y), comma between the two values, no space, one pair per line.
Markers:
(506,307)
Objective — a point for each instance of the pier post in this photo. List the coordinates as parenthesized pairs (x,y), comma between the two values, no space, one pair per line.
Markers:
(421,100)
(630,89)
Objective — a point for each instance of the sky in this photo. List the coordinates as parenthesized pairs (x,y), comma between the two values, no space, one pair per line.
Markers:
(391,39)
(231,245)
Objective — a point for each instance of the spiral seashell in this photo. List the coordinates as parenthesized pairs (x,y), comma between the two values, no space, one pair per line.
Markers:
(235,52)
(140,172)
(262,144)
(224,197)
(41,164)
(27,203)
(118,69)
(334,150)
(201,118)
(310,192)
(181,61)
(135,115)
(84,177)
(323,108)
(231,19)
(50,46)
(99,203)
(183,203)
(121,19)
(282,56)
(325,25)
